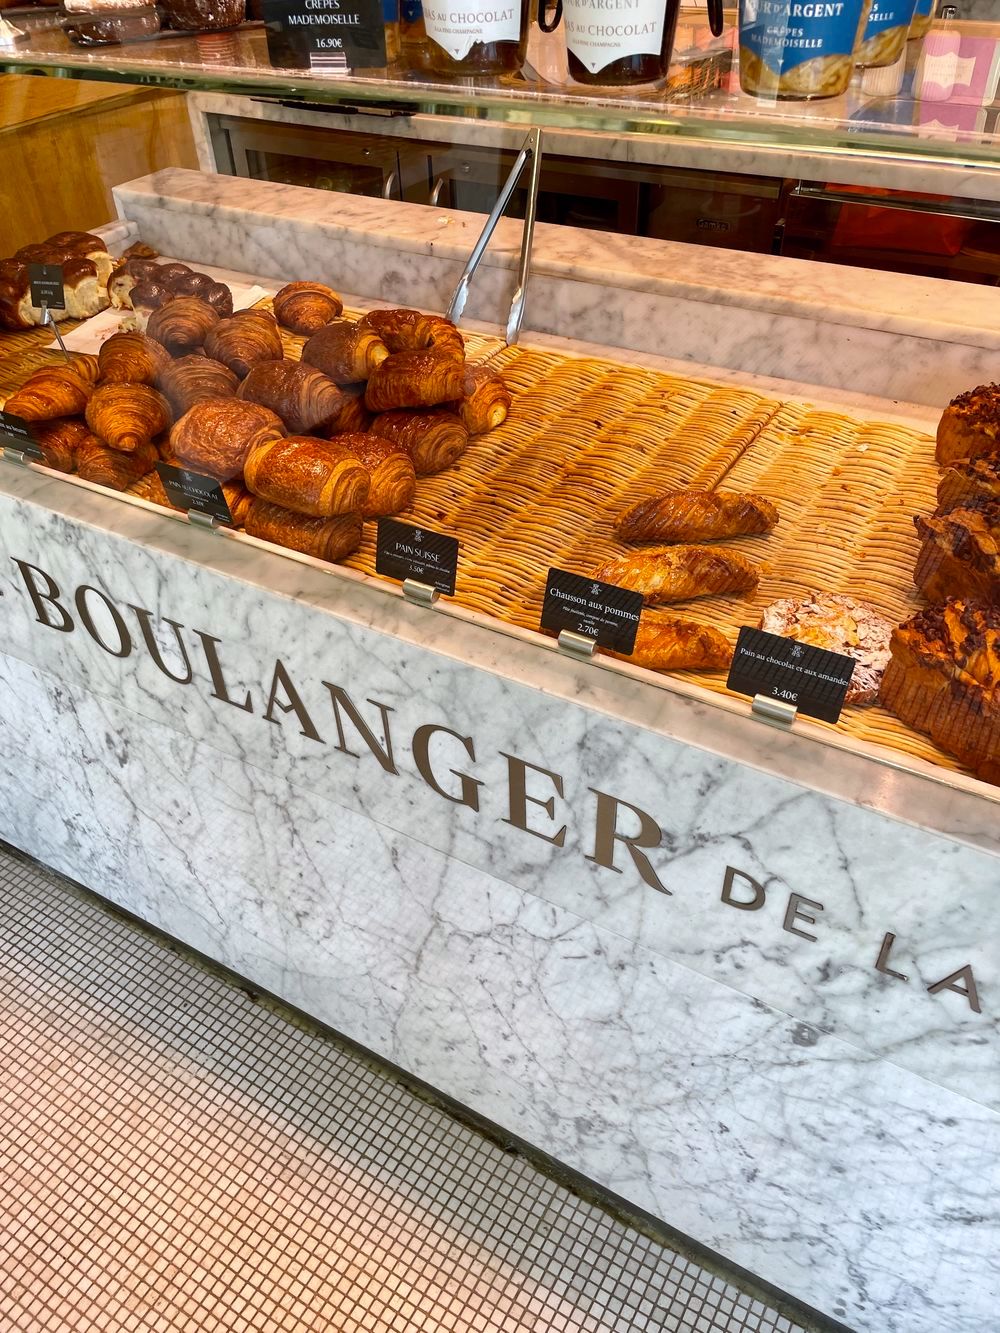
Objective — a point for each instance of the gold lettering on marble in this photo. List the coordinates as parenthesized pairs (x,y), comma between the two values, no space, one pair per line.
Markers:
(951,982)
(421,757)
(728,884)
(882,961)
(40,597)
(518,798)
(794,912)
(145,620)
(82,602)
(210,646)
(382,750)
(292,703)
(607,833)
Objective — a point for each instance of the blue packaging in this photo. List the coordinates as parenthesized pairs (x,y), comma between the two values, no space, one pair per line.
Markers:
(798,48)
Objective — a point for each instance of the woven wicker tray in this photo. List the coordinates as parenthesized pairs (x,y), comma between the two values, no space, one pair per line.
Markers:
(587,437)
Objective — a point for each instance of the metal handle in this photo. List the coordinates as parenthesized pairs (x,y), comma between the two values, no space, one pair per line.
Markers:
(436,192)
(387,190)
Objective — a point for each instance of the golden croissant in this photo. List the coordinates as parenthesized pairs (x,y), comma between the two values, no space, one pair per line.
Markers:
(304,307)
(215,436)
(324,538)
(182,324)
(249,337)
(132,358)
(415,379)
(126,416)
(346,352)
(695,516)
(55,391)
(393,480)
(485,402)
(308,476)
(61,440)
(434,439)
(412,331)
(678,572)
(110,467)
(191,379)
(308,402)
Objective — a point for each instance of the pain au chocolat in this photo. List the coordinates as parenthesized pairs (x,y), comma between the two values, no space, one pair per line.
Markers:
(321,478)
(216,435)
(308,402)
(393,479)
(324,538)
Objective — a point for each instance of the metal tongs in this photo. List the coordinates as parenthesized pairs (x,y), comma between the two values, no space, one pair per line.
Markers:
(530,152)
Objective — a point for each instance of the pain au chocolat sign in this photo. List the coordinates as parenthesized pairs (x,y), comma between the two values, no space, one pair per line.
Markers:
(126,630)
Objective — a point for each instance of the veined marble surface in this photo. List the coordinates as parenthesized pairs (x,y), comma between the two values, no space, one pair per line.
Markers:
(892,335)
(861,1188)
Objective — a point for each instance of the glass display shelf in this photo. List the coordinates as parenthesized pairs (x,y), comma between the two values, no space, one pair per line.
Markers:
(702,99)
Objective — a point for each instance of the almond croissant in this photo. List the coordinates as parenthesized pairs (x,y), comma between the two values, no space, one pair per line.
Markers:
(433,439)
(415,379)
(486,401)
(678,572)
(304,307)
(393,480)
(215,436)
(308,476)
(324,538)
(55,391)
(126,416)
(249,337)
(192,379)
(131,358)
(346,352)
(696,516)
(182,324)
(307,401)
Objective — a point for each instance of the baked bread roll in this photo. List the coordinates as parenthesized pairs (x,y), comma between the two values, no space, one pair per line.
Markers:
(943,679)
(959,554)
(678,572)
(970,425)
(415,379)
(192,379)
(215,436)
(346,352)
(696,516)
(304,307)
(249,337)
(131,358)
(969,481)
(405,330)
(110,467)
(141,284)
(486,402)
(308,402)
(126,276)
(126,416)
(308,476)
(433,439)
(182,324)
(393,480)
(679,645)
(61,440)
(55,391)
(841,625)
(324,538)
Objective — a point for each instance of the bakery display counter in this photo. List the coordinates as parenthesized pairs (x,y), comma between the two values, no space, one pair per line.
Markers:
(740,973)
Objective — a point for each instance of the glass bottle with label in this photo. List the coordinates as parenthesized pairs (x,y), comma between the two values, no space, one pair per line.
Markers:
(620,43)
(466,38)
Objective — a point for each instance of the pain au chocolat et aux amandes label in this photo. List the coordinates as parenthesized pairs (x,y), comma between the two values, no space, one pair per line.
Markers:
(813,680)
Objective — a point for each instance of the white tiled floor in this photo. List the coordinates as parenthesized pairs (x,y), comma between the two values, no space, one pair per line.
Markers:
(175,1156)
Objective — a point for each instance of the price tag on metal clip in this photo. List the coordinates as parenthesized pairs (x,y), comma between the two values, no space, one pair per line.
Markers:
(792,676)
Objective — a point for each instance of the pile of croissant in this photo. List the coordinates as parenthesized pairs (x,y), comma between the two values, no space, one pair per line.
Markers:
(306,450)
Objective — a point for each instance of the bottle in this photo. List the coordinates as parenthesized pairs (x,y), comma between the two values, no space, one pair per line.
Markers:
(935,81)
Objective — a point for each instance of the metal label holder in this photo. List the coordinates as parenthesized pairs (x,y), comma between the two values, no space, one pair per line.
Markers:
(421,594)
(580,646)
(199,520)
(775,712)
(11,454)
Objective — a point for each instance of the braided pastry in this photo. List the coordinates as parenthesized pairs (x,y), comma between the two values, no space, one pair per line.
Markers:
(126,416)
(434,439)
(304,307)
(308,476)
(415,379)
(346,352)
(215,436)
(132,358)
(249,337)
(182,324)
(191,379)
(307,401)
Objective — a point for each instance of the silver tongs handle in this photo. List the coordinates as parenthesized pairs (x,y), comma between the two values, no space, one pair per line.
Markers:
(530,152)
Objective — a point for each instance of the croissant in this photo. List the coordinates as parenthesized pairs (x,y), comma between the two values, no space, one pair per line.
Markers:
(679,645)
(695,516)
(346,352)
(132,358)
(60,440)
(249,337)
(55,391)
(414,379)
(353,415)
(190,379)
(308,476)
(215,436)
(433,439)
(304,307)
(678,572)
(486,401)
(307,401)
(110,467)
(125,416)
(412,331)
(182,324)
(393,480)
(324,538)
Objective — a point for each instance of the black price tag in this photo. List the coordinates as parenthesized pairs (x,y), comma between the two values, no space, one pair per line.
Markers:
(326,36)
(601,611)
(811,679)
(403,552)
(16,434)
(191,490)
(46,283)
